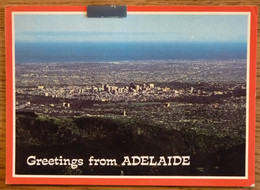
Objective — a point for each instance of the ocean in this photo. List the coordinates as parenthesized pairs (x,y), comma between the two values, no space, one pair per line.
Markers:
(51,52)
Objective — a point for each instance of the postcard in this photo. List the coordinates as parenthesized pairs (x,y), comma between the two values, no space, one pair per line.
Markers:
(163,96)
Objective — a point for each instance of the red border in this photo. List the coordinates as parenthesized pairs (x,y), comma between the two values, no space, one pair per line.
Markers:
(128,181)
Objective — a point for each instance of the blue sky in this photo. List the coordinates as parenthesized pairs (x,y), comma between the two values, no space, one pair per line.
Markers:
(133,28)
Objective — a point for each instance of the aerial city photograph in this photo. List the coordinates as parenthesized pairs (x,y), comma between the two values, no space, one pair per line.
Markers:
(146,95)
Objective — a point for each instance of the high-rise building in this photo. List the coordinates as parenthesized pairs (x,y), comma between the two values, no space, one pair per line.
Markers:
(191,90)
(151,85)
(137,87)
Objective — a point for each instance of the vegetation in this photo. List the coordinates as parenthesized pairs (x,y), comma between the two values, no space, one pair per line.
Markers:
(105,137)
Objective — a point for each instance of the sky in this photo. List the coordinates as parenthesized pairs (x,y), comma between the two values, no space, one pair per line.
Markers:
(134,28)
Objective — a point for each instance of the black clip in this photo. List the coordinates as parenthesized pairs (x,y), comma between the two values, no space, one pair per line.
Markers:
(106,11)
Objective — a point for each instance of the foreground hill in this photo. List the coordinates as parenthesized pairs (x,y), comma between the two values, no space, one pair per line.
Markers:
(106,137)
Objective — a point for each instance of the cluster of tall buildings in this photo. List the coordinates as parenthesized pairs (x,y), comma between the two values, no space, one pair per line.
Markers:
(116,89)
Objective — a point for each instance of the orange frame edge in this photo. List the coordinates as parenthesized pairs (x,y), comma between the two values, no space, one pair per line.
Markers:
(10,179)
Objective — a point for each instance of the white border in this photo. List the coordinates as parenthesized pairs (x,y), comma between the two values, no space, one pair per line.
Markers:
(13,87)
(133,13)
(136,177)
(247,91)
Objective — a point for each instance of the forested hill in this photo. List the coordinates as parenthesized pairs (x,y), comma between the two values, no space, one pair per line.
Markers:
(117,137)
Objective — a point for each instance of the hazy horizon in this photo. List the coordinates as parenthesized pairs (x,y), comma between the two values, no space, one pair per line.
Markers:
(134,28)
(77,38)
